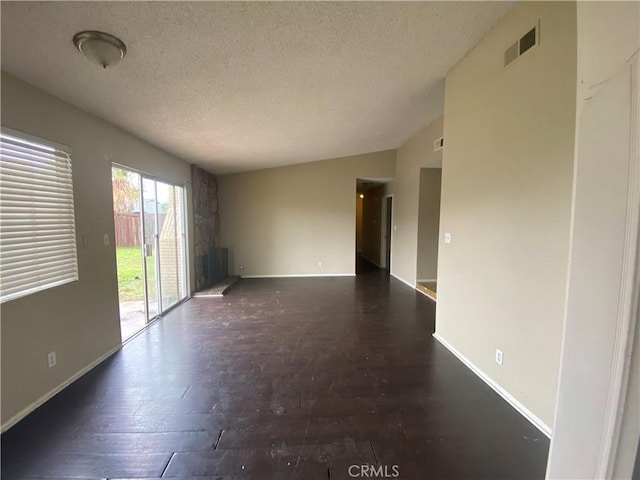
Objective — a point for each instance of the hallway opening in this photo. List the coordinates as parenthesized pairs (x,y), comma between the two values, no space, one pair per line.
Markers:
(428,232)
(373,240)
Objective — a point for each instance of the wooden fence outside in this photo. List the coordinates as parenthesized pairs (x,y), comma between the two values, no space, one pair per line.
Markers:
(127,230)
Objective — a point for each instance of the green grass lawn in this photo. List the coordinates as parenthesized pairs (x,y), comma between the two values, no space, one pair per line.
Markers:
(130,273)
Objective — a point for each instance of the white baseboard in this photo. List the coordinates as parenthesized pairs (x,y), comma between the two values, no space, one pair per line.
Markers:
(412,285)
(303,275)
(524,411)
(430,280)
(47,396)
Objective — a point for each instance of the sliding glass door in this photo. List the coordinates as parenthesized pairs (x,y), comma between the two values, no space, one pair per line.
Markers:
(156,247)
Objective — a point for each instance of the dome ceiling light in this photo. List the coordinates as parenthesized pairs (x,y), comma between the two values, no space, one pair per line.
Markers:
(99,47)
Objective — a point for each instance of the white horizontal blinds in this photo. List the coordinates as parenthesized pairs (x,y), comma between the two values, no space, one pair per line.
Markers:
(37,228)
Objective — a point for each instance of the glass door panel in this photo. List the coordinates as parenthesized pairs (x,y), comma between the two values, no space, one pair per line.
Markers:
(127,219)
(168,244)
(150,247)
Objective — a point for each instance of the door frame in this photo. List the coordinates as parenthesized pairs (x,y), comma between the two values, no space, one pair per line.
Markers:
(629,302)
(156,246)
(608,416)
(143,234)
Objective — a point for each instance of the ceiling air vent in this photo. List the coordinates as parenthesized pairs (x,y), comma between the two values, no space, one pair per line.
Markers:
(438,144)
(526,42)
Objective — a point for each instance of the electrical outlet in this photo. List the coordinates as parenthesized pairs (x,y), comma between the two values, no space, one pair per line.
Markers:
(320,264)
(105,239)
(51,359)
(499,356)
(447,237)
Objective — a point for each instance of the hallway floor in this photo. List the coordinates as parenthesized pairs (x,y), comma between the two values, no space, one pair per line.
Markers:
(282,378)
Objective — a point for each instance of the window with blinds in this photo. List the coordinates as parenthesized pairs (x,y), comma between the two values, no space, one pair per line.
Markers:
(37,226)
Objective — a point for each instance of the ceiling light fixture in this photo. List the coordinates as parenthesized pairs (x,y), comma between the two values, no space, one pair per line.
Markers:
(99,47)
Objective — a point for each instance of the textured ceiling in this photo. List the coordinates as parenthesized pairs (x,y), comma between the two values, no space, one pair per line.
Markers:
(238,86)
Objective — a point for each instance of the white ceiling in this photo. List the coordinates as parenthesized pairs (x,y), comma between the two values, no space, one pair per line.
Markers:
(238,86)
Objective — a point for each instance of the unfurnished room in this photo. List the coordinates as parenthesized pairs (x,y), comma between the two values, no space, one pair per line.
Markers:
(319,240)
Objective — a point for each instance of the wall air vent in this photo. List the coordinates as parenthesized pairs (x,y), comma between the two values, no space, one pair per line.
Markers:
(438,144)
(526,43)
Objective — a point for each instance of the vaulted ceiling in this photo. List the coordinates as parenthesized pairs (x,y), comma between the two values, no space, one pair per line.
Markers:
(235,86)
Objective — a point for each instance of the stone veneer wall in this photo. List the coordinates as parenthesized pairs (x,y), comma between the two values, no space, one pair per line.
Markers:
(206,220)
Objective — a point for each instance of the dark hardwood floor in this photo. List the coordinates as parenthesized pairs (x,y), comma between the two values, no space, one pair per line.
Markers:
(281,378)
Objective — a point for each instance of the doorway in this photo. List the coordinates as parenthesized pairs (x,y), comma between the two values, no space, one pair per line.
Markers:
(369,234)
(150,242)
(428,232)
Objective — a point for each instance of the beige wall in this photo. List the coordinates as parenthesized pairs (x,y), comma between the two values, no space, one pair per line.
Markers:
(296,220)
(506,198)
(79,321)
(415,154)
(372,225)
(428,223)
